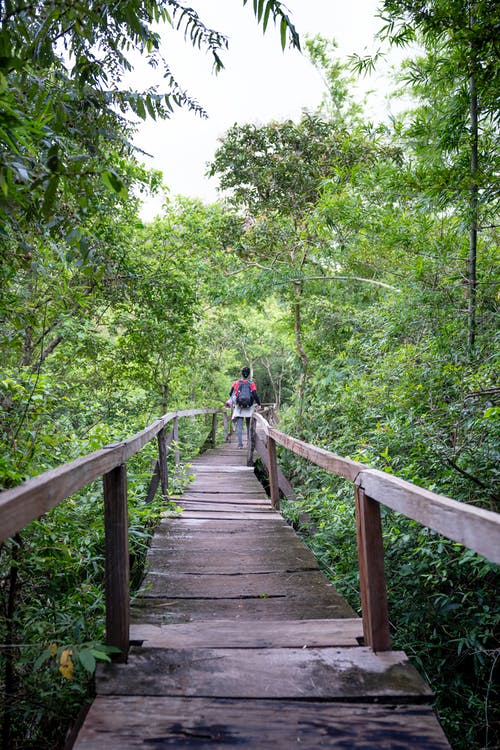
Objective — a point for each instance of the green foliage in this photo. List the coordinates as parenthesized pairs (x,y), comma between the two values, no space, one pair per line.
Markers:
(379,246)
(340,275)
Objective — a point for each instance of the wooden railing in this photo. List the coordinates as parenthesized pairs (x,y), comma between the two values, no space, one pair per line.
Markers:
(475,528)
(30,500)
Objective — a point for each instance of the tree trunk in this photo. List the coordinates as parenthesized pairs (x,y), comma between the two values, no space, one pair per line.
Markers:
(304,360)
(27,347)
(164,397)
(10,678)
(473,208)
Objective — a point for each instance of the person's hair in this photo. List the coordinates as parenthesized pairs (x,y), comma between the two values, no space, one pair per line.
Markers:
(245,371)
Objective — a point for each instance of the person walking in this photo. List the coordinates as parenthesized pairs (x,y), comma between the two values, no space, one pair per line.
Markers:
(243,395)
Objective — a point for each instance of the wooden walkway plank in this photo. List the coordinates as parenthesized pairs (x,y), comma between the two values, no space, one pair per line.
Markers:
(250,634)
(339,673)
(160,610)
(238,640)
(219,559)
(240,585)
(133,722)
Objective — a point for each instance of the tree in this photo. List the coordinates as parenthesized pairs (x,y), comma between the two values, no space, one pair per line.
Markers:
(276,174)
(61,68)
(460,80)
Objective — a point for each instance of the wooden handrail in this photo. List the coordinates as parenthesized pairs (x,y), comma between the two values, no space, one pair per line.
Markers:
(30,500)
(474,528)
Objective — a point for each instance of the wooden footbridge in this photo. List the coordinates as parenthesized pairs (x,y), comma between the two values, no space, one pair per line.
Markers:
(237,639)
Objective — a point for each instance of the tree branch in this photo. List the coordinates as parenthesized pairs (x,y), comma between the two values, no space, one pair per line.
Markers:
(488,392)
(49,349)
(471,477)
(348,278)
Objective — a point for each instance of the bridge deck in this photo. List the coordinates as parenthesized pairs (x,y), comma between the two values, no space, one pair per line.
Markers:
(238,640)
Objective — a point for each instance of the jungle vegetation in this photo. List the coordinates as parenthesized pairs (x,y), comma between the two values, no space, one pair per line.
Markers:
(353,265)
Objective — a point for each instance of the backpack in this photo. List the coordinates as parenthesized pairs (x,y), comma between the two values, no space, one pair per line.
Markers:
(244,397)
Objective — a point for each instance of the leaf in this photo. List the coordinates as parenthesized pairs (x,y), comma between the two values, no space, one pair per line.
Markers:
(283,33)
(66,666)
(50,195)
(140,108)
(87,660)
(150,107)
(266,16)
(46,654)
(113,182)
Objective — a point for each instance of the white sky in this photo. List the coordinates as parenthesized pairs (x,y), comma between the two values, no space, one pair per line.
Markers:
(260,83)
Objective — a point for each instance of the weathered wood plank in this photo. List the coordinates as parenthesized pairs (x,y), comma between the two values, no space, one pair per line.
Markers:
(234,606)
(214,542)
(160,610)
(162,461)
(372,573)
(30,500)
(233,499)
(229,493)
(212,534)
(473,527)
(223,456)
(273,472)
(269,517)
(224,507)
(240,488)
(154,482)
(335,673)
(226,468)
(116,578)
(250,634)
(283,482)
(216,560)
(211,586)
(243,475)
(21,505)
(130,722)
(343,467)
(189,528)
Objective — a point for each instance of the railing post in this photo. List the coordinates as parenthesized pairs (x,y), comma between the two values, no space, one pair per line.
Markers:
(117,575)
(155,481)
(224,422)
(372,572)
(213,432)
(273,473)
(162,462)
(176,441)
(251,442)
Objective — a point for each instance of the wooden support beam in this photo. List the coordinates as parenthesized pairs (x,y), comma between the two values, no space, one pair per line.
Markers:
(153,485)
(175,432)
(162,462)
(251,442)
(117,574)
(283,482)
(273,473)
(372,573)
(213,431)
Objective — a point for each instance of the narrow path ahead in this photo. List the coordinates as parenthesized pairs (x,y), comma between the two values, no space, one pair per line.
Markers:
(239,641)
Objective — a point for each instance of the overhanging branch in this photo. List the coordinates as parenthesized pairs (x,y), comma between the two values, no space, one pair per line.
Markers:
(349,278)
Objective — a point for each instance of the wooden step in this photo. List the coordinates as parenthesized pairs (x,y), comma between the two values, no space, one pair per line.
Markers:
(340,673)
(129,722)
(240,641)
(250,634)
